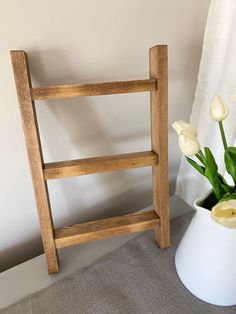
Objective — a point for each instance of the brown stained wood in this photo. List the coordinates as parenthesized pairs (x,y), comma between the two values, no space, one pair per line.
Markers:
(78,167)
(105,228)
(157,157)
(93,89)
(159,137)
(29,121)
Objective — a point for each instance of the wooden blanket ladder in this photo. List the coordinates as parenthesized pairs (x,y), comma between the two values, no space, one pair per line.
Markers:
(157,157)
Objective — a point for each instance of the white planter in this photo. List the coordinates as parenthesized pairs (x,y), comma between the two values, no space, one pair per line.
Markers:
(205,259)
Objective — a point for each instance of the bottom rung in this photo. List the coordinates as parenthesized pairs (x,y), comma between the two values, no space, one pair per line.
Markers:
(105,228)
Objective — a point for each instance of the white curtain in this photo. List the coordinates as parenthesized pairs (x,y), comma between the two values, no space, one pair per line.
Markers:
(217,76)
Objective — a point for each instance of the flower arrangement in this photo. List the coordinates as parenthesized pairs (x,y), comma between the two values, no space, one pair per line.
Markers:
(224,212)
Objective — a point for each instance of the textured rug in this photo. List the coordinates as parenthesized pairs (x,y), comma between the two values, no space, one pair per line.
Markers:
(135,278)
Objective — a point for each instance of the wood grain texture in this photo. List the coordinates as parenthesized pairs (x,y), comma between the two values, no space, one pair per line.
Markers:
(29,121)
(105,228)
(93,89)
(157,157)
(57,170)
(158,58)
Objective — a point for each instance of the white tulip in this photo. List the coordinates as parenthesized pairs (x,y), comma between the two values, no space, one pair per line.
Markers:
(188,144)
(224,213)
(181,126)
(218,109)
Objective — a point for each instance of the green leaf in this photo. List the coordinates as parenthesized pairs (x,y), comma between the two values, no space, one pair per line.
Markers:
(228,196)
(211,172)
(217,181)
(230,161)
(210,160)
(232,150)
(199,168)
(224,185)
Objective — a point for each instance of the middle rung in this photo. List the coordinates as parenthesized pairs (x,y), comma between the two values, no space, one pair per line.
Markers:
(62,169)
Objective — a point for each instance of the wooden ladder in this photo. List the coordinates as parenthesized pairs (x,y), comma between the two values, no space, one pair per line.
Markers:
(157,157)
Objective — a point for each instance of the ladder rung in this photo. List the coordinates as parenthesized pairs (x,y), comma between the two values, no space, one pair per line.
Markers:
(62,169)
(105,228)
(93,89)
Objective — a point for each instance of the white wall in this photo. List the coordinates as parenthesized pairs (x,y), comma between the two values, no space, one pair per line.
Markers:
(71,41)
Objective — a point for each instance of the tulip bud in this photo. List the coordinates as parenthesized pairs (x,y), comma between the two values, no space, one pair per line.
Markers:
(224,213)
(188,144)
(218,109)
(181,126)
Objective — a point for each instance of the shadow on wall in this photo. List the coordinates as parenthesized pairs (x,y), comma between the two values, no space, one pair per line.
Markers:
(20,253)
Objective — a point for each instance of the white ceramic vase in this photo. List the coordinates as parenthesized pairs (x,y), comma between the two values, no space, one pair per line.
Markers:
(205,259)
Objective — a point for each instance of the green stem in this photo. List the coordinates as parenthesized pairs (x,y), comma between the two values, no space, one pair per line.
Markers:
(222,132)
(200,158)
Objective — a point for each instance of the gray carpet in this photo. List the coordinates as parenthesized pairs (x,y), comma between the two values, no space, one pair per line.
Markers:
(135,278)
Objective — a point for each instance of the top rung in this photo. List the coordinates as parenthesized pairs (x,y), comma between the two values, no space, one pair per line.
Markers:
(93,89)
